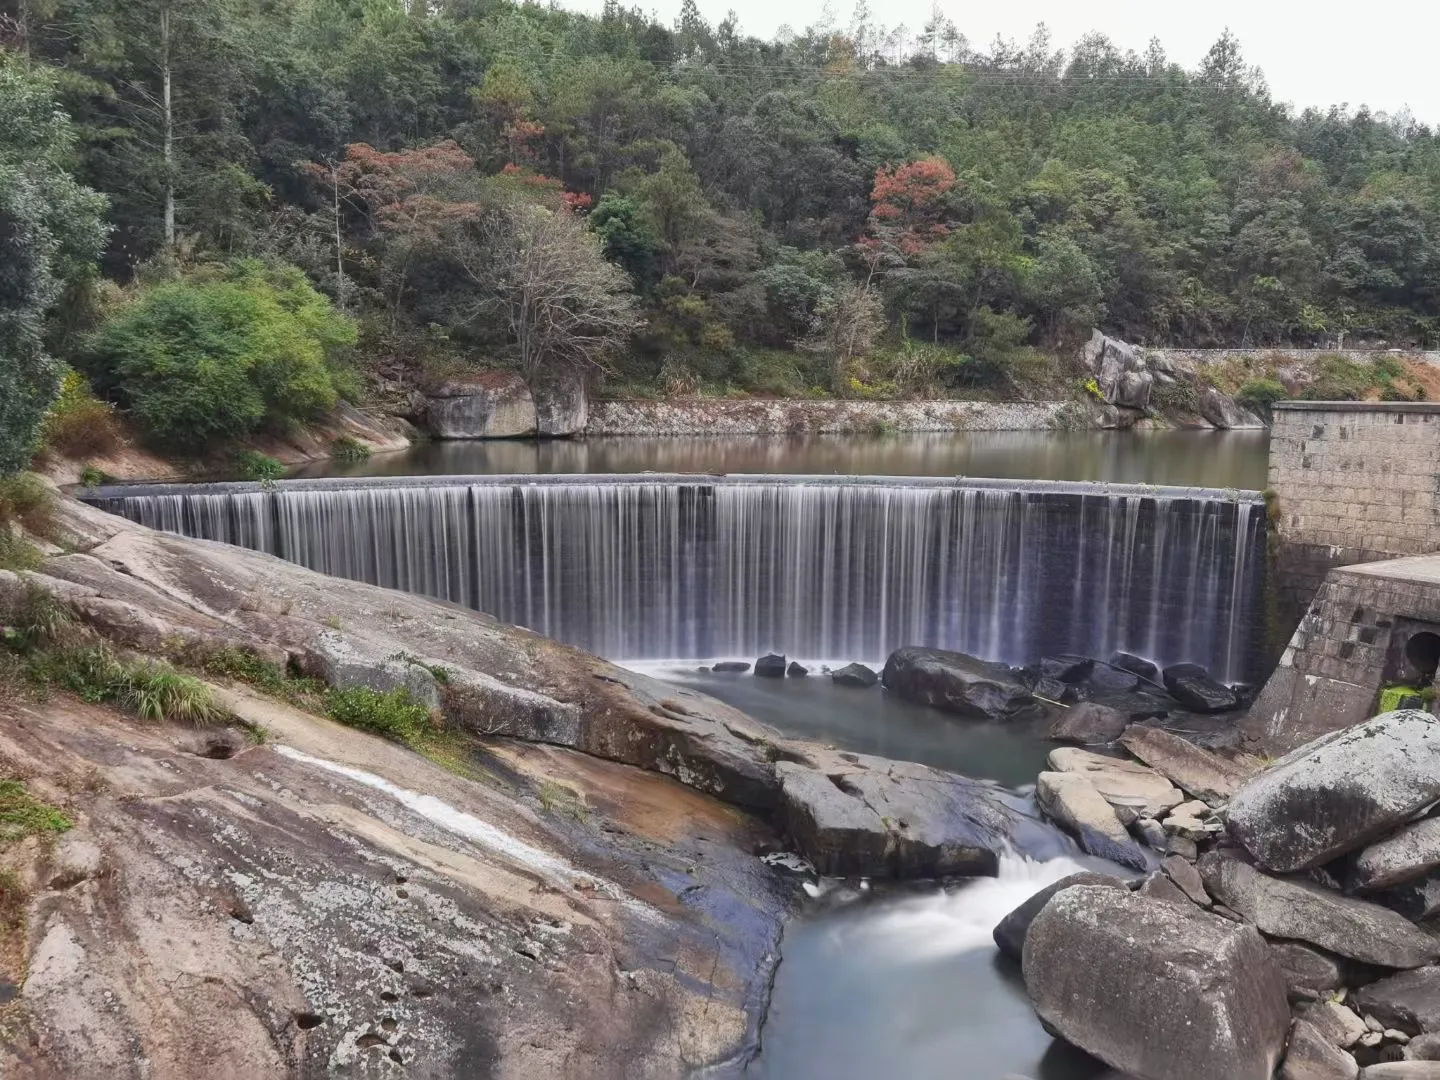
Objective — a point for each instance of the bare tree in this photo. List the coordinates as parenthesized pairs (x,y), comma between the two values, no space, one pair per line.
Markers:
(846,325)
(542,272)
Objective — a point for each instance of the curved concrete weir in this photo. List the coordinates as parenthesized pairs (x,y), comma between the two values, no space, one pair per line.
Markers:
(663,566)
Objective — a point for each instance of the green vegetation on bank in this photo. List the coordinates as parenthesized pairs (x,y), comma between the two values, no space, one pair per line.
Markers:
(339,194)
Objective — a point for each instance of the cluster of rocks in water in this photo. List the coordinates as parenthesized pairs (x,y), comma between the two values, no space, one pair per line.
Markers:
(1286,927)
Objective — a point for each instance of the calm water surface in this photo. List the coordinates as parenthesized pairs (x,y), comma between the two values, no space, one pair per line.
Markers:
(1219,459)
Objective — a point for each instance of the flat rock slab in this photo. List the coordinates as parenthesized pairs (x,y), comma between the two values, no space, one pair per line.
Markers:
(1412,852)
(1118,780)
(1154,990)
(1201,773)
(854,815)
(1073,803)
(1409,1002)
(1339,792)
(1301,910)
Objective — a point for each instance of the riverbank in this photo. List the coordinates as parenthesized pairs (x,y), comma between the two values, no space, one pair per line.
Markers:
(791,416)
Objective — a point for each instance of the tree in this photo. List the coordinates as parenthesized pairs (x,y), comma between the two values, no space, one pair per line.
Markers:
(51,232)
(846,326)
(541,272)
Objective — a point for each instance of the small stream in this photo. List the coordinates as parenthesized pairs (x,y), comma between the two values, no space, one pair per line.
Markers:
(904,982)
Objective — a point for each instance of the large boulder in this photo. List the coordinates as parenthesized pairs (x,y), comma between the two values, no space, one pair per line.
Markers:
(1222,412)
(1010,932)
(864,816)
(1200,772)
(770,666)
(1339,792)
(1156,990)
(1301,910)
(1408,1002)
(1192,686)
(957,683)
(1411,853)
(562,404)
(490,405)
(1135,665)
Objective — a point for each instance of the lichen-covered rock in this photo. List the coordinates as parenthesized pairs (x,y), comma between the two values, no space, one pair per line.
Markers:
(1339,792)
(1154,990)
(1309,972)
(562,404)
(956,683)
(1301,910)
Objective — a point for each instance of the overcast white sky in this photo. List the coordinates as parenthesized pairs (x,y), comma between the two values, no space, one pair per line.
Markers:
(1384,53)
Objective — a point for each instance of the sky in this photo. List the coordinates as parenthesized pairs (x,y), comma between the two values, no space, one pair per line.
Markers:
(1382,53)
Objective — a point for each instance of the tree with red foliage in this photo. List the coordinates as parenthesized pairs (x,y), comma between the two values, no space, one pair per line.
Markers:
(908,208)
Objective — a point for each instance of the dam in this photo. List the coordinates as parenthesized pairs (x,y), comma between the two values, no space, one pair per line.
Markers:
(655,566)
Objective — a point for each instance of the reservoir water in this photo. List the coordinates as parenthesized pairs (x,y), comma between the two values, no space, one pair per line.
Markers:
(1216,459)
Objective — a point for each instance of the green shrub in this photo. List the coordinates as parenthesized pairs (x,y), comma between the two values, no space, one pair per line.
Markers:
(17,553)
(203,361)
(78,423)
(1178,397)
(395,714)
(1258,395)
(253,465)
(1338,378)
(91,477)
(349,450)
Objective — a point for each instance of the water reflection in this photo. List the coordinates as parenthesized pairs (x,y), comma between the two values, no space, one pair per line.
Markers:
(1221,459)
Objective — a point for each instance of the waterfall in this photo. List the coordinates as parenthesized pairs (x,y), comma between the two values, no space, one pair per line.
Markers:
(659,567)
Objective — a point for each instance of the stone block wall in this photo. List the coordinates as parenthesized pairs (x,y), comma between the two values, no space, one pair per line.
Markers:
(1349,643)
(1352,482)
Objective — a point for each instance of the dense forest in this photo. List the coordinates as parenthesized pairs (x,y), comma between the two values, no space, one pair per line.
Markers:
(476,183)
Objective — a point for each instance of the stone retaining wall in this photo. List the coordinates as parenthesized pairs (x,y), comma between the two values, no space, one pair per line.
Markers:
(754,416)
(1201,357)
(1354,482)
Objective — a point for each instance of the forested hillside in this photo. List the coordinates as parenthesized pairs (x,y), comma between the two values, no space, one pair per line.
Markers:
(841,210)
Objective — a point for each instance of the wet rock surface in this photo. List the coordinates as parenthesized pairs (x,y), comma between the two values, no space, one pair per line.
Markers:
(957,683)
(855,815)
(856,676)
